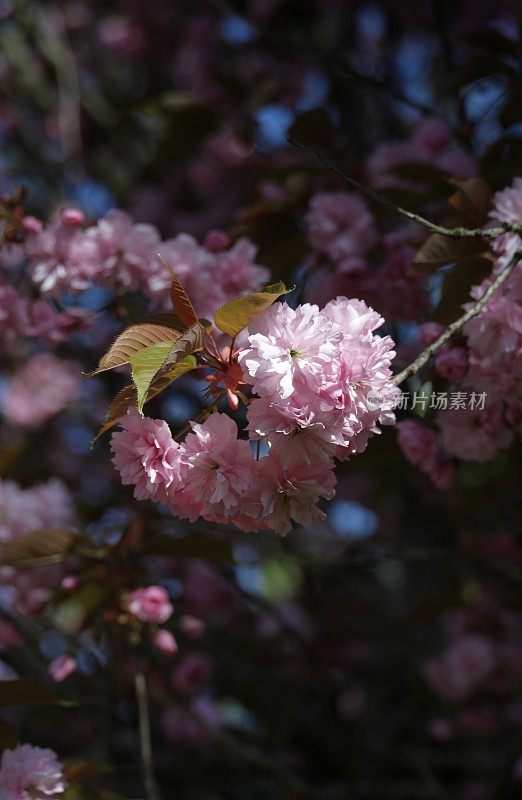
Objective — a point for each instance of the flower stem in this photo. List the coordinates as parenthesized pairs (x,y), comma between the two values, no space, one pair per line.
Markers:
(142,700)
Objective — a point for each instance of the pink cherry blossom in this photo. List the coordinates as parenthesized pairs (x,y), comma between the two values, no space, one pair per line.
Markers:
(452,363)
(165,642)
(340,225)
(289,349)
(474,435)
(459,671)
(192,673)
(430,143)
(39,390)
(150,604)
(61,667)
(31,773)
(216,469)
(146,456)
(46,505)
(291,494)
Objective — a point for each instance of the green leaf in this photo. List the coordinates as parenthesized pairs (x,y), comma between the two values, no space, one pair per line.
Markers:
(145,366)
(132,341)
(235,315)
(147,363)
(37,549)
(128,396)
(24,692)
(69,616)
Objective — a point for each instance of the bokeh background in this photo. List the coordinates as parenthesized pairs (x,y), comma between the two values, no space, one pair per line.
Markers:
(378,655)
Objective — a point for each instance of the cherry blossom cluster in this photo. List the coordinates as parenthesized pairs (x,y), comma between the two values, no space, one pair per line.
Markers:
(39,389)
(479,668)
(489,361)
(320,380)
(116,252)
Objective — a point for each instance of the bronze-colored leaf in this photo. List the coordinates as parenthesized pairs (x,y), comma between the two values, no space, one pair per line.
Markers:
(180,300)
(131,341)
(473,200)
(37,549)
(439,250)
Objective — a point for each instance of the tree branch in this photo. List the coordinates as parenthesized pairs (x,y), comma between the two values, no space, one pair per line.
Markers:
(142,699)
(378,197)
(459,323)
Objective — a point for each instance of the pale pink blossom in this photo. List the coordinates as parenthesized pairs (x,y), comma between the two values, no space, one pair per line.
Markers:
(146,456)
(421,447)
(431,143)
(61,667)
(289,349)
(150,604)
(46,505)
(31,773)
(340,225)
(214,274)
(191,626)
(462,668)
(474,435)
(39,390)
(324,372)
(216,470)
(165,642)
(291,495)
(452,363)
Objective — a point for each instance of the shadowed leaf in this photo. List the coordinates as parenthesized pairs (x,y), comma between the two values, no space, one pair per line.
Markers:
(439,250)
(234,316)
(36,549)
(196,545)
(8,735)
(24,692)
(472,200)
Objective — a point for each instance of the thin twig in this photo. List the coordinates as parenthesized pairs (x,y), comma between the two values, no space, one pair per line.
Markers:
(459,323)
(142,699)
(451,233)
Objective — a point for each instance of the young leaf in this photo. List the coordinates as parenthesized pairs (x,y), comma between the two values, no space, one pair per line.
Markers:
(235,315)
(131,341)
(36,549)
(180,299)
(148,362)
(145,366)
(128,396)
